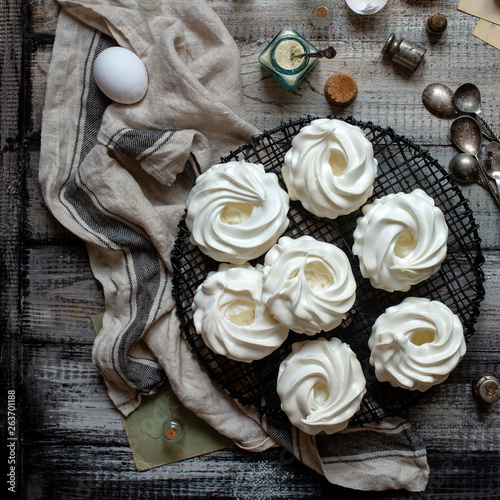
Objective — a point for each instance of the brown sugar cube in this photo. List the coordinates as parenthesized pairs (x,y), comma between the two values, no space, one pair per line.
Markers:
(341,89)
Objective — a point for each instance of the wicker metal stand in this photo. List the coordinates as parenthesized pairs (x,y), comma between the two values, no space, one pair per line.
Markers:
(403,166)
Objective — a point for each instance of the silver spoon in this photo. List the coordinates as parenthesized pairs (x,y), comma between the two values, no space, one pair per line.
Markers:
(438,100)
(328,53)
(466,134)
(492,162)
(466,167)
(467,99)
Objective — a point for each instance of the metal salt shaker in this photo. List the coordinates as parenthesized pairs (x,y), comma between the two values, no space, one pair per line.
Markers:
(405,53)
(486,387)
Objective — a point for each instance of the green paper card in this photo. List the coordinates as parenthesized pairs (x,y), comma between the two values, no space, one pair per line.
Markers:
(144,428)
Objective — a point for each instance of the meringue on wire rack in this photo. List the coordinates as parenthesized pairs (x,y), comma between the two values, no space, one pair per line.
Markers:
(402,167)
(236,211)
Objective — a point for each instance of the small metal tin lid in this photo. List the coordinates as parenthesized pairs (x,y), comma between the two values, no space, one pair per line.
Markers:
(391,46)
(436,24)
(486,387)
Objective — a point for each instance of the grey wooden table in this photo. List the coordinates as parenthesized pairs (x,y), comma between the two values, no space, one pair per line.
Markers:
(70,440)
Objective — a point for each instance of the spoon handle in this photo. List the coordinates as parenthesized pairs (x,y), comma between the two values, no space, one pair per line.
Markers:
(497,182)
(329,53)
(486,185)
(484,182)
(488,128)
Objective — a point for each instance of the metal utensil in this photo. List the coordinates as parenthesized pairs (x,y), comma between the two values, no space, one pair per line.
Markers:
(328,53)
(466,134)
(492,162)
(465,167)
(438,100)
(467,99)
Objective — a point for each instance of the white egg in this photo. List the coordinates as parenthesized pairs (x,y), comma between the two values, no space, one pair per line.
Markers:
(121,75)
(366,7)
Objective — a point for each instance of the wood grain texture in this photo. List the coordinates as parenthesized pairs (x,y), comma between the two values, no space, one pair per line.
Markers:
(73,443)
(12,77)
(269,475)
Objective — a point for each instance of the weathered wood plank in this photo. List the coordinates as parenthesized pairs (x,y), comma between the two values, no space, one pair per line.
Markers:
(449,418)
(11,216)
(39,68)
(43,17)
(67,399)
(40,225)
(463,476)
(256,476)
(61,295)
(270,475)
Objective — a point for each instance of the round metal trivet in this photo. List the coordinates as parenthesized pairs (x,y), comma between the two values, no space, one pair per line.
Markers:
(403,166)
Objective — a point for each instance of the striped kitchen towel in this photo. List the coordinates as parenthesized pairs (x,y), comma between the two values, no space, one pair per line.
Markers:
(118,175)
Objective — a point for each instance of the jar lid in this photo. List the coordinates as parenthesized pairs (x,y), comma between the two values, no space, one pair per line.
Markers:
(391,45)
(437,23)
(341,89)
(487,387)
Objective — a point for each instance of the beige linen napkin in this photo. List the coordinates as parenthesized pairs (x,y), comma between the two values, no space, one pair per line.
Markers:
(118,175)
(110,173)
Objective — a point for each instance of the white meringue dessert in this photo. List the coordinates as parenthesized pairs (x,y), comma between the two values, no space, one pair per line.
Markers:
(230,316)
(416,344)
(321,385)
(308,284)
(401,240)
(330,168)
(236,211)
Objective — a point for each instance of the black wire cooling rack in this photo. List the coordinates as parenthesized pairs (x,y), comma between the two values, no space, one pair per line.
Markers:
(403,166)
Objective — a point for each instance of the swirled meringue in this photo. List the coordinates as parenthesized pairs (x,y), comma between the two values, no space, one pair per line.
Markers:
(416,344)
(308,285)
(401,240)
(321,385)
(236,211)
(330,168)
(230,316)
